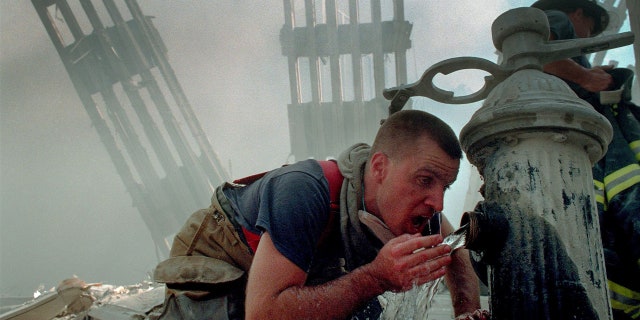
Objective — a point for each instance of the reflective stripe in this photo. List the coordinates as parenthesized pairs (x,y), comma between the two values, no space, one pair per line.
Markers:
(598,187)
(621,179)
(624,299)
(635,147)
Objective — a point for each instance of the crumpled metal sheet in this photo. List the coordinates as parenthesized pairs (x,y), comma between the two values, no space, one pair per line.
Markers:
(44,307)
(70,297)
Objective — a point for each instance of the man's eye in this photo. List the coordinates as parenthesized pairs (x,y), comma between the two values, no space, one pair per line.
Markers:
(426,181)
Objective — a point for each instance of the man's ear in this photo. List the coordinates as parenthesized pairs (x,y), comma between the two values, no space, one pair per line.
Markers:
(379,165)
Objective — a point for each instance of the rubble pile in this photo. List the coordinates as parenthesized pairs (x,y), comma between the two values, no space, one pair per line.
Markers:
(75,299)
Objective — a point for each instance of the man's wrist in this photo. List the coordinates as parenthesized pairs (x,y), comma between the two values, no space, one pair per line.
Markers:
(365,277)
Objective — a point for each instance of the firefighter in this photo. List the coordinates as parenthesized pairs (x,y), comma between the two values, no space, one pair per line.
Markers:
(322,239)
(617,175)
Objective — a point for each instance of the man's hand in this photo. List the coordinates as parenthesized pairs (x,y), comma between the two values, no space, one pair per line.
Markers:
(410,260)
(594,80)
(597,79)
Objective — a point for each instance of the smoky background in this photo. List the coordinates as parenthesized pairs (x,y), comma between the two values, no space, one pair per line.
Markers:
(64,210)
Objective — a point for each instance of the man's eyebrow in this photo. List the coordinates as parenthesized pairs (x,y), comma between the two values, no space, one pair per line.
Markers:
(438,173)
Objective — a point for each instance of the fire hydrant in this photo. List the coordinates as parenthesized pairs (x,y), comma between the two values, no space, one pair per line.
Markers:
(534,142)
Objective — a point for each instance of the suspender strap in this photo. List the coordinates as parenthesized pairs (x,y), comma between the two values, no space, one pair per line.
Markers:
(334,177)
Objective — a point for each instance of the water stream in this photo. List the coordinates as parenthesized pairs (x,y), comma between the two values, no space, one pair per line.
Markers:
(409,305)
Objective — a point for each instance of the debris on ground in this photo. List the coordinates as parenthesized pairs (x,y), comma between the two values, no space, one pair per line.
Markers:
(75,299)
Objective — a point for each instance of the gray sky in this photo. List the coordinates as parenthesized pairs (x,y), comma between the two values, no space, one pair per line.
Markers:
(63,208)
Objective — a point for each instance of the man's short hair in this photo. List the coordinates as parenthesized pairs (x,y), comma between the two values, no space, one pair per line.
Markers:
(403,128)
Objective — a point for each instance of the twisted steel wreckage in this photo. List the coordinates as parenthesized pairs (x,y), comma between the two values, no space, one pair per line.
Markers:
(117,63)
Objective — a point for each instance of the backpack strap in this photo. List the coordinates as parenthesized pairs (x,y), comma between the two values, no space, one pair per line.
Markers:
(334,177)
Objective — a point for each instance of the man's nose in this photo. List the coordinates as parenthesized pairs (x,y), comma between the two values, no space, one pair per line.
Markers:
(435,199)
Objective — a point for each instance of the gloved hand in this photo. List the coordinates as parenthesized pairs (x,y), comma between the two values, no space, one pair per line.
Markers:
(476,315)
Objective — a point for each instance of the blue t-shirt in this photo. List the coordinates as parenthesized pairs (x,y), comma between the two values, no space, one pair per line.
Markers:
(290,203)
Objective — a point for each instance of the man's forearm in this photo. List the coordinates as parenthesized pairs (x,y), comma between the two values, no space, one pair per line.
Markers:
(276,287)
(336,299)
(567,69)
(463,283)
(593,79)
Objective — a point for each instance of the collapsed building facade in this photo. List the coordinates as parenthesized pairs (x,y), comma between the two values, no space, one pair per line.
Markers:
(117,62)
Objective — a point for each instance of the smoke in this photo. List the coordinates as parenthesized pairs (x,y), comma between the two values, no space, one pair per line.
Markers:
(64,210)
